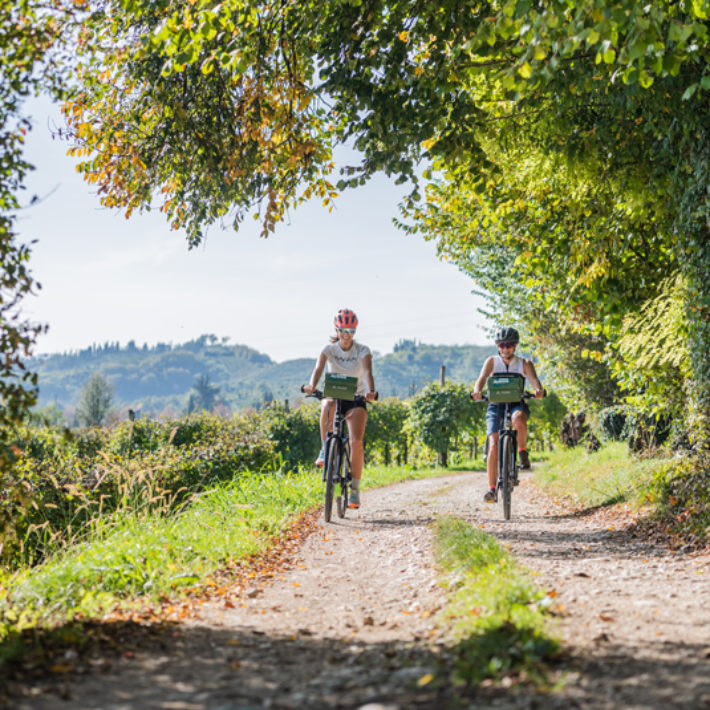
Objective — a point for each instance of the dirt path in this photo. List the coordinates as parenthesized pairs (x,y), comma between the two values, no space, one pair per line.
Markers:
(351,623)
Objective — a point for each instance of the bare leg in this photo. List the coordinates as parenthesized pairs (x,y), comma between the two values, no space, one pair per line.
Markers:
(492,462)
(327,412)
(356,419)
(520,424)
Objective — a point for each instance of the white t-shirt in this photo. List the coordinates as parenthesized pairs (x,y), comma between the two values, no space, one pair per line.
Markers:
(347,362)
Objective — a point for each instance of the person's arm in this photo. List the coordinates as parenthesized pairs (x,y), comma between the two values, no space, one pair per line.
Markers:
(369,379)
(486,371)
(316,375)
(529,370)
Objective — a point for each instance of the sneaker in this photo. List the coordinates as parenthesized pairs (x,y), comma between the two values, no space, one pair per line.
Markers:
(524,460)
(354,499)
(321,457)
(490,496)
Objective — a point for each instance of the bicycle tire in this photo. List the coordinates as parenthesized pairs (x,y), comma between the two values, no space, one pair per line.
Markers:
(506,474)
(342,500)
(332,473)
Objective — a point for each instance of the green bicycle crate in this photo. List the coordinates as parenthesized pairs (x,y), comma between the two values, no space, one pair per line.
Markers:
(340,386)
(505,388)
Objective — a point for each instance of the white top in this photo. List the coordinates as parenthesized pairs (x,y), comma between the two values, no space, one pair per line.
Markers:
(514,367)
(347,362)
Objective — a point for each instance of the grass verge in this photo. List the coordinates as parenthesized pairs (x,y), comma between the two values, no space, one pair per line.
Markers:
(603,477)
(675,489)
(134,556)
(498,619)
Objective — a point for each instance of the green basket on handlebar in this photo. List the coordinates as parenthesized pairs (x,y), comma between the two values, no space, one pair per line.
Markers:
(340,386)
(505,388)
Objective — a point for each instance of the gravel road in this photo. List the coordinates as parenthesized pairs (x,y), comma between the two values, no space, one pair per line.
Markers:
(351,622)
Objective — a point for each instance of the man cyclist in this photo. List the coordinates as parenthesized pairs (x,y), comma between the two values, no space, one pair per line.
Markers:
(506,363)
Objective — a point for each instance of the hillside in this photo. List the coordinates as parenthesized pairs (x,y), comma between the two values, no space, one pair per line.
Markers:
(158,378)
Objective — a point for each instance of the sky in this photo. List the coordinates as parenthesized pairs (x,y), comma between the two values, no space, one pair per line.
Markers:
(105,278)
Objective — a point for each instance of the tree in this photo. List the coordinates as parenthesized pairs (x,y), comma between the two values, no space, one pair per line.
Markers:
(25,38)
(27,32)
(232,107)
(203,395)
(440,414)
(95,402)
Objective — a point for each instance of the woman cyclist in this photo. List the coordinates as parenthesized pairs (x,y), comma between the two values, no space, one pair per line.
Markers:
(345,356)
(506,363)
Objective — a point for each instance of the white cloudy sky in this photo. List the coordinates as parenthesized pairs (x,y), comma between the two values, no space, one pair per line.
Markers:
(105,278)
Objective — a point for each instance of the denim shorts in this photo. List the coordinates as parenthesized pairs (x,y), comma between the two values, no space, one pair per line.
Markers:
(496,412)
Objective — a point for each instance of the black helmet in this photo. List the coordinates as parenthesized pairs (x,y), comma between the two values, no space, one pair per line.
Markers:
(507,335)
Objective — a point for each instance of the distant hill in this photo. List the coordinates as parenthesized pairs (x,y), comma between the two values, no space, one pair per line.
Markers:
(158,379)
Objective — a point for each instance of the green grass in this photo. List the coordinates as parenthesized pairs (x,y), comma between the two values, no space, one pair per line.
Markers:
(152,555)
(496,615)
(603,477)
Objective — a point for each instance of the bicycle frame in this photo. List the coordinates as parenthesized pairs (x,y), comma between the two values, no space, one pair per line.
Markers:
(339,431)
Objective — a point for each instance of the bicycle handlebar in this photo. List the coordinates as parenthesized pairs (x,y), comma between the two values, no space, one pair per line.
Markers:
(526,395)
(319,395)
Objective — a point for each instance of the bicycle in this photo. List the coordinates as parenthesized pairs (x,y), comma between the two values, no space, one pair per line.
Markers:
(507,455)
(336,469)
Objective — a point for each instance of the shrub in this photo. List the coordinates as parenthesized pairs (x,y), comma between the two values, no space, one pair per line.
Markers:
(71,480)
(612,421)
(386,432)
(293,433)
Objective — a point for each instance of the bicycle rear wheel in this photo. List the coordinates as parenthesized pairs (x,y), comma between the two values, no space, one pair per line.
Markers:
(332,473)
(506,473)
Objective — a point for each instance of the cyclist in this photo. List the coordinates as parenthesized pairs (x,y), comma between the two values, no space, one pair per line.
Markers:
(506,363)
(344,356)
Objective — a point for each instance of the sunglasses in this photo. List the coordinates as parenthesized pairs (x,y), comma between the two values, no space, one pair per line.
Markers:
(506,345)
(346,330)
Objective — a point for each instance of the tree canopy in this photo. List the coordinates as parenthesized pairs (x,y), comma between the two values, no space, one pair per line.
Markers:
(564,143)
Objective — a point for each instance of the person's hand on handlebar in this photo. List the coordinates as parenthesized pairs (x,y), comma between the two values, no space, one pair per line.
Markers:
(308,389)
(540,393)
(477,395)
(370,396)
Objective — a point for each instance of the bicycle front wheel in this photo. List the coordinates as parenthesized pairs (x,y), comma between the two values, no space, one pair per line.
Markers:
(332,474)
(342,500)
(507,461)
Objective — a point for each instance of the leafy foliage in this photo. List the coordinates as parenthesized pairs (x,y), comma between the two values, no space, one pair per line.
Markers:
(27,32)
(74,480)
(440,414)
(566,185)
(386,431)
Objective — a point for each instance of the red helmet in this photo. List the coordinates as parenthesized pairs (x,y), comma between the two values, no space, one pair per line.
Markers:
(345,318)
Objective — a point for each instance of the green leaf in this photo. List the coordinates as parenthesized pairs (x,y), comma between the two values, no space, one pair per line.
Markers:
(645,79)
(688,93)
